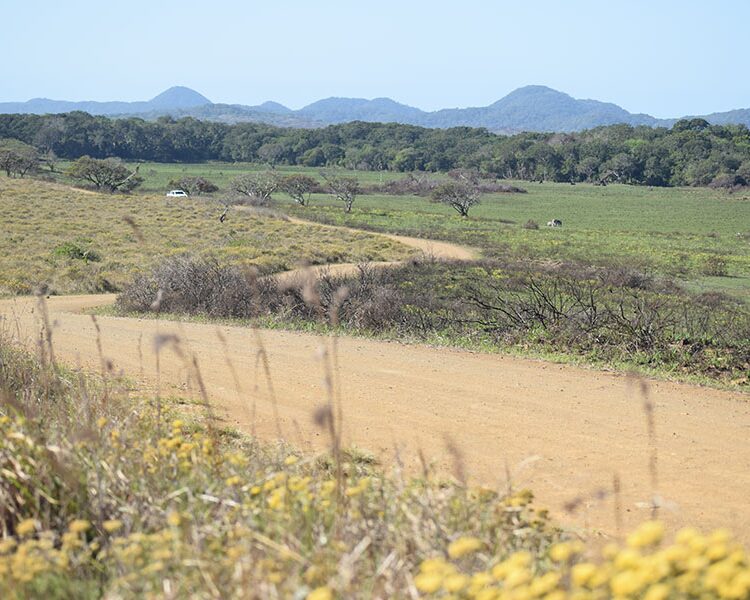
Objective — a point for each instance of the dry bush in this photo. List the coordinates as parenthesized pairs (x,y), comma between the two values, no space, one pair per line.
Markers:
(412,184)
(191,285)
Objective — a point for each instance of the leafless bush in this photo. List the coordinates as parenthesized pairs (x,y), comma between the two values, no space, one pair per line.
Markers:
(715,266)
(191,285)
(413,184)
(494,187)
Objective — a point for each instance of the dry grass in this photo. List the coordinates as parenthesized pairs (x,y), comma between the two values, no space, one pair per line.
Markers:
(81,242)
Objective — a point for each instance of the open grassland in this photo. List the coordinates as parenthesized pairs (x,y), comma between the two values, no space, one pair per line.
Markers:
(79,241)
(108,493)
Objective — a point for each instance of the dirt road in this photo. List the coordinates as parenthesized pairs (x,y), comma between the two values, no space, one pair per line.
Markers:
(563,431)
(434,248)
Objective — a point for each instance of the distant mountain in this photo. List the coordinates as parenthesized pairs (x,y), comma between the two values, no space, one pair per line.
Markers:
(530,108)
(538,108)
(175,98)
(343,110)
(178,97)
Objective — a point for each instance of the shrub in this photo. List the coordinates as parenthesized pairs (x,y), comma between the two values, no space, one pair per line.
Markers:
(412,184)
(194,185)
(715,266)
(191,285)
(75,251)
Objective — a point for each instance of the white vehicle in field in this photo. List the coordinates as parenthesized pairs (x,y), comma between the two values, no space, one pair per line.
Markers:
(177,194)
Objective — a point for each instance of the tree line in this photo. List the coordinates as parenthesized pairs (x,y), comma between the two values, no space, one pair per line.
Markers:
(692,152)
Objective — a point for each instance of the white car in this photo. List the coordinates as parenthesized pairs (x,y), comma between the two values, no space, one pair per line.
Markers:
(177,194)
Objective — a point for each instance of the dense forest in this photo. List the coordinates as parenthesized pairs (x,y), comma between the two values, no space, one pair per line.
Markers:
(692,152)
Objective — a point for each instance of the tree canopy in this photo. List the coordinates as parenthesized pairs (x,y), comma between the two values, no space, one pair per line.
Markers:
(693,152)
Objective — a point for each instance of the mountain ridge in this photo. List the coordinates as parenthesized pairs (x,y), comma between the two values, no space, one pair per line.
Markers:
(528,108)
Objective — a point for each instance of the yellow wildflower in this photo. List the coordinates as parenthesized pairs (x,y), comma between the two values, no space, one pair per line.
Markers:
(26,527)
(321,593)
(79,526)
(433,565)
(429,583)
(626,583)
(290,460)
(649,533)
(561,552)
(463,546)
(582,573)
(544,584)
(659,591)
(455,582)
(517,576)
(174,519)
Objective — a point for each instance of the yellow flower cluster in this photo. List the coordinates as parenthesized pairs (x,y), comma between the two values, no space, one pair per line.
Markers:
(25,558)
(694,566)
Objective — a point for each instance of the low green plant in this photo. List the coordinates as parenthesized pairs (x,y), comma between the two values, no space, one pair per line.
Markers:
(76,251)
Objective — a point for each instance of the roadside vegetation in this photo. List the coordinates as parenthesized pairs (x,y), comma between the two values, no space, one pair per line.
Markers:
(74,241)
(603,316)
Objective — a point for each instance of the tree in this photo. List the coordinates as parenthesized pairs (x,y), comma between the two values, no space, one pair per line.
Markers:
(299,187)
(272,154)
(259,186)
(17,158)
(109,174)
(194,185)
(343,188)
(458,195)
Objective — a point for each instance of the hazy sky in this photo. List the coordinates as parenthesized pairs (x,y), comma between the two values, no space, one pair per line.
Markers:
(663,57)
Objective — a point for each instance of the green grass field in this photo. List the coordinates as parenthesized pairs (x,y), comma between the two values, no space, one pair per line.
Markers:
(679,232)
(77,241)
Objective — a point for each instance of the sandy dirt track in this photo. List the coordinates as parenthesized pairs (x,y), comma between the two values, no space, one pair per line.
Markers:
(434,248)
(563,431)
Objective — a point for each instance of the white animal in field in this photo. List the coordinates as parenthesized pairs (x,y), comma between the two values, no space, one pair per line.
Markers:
(554,223)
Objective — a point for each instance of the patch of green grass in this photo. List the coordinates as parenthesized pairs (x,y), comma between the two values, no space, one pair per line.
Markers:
(52,234)
(668,231)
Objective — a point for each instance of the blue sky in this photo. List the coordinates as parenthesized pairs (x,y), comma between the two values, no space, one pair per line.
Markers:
(662,57)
